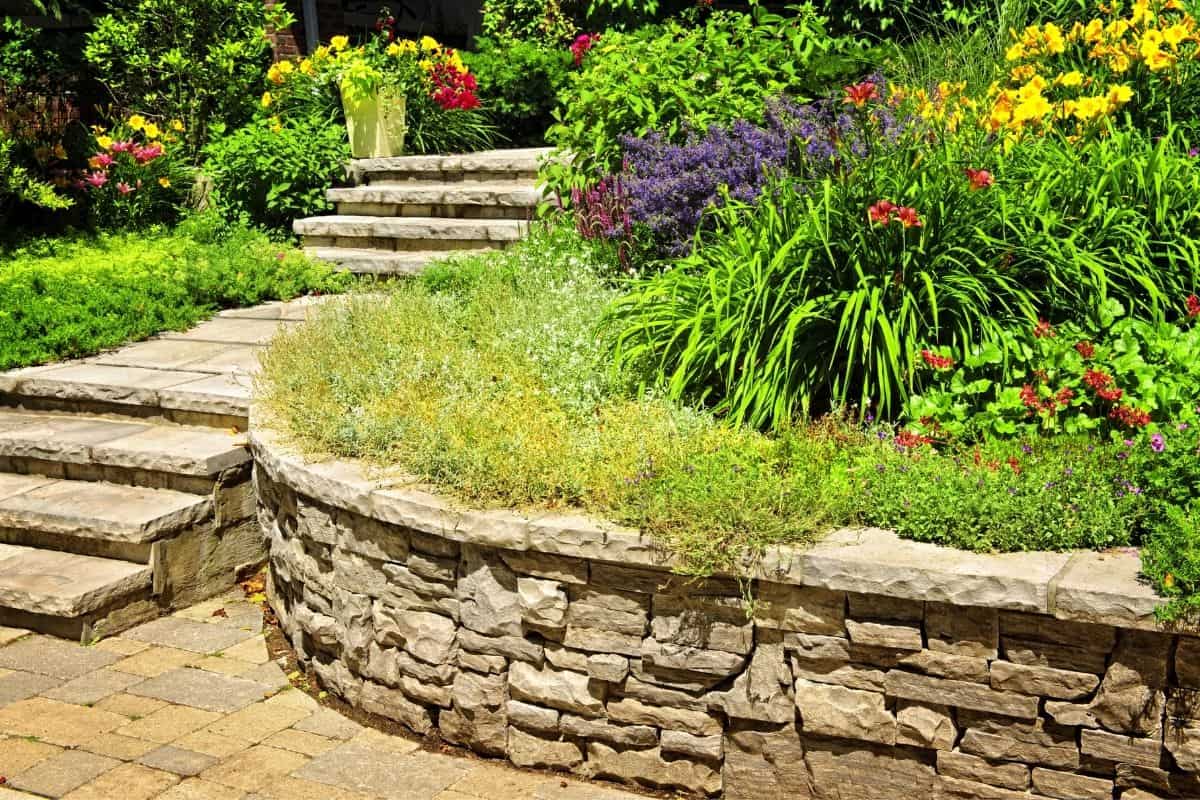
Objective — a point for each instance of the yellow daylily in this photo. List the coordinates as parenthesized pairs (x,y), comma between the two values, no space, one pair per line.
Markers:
(164,182)
(177,125)
(339,42)
(137,122)
(104,142)
(151,130)
(266,100)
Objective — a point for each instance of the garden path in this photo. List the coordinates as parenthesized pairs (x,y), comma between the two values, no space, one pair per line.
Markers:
(192,707)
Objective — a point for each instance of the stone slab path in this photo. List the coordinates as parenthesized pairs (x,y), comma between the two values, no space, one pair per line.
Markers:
(191,707)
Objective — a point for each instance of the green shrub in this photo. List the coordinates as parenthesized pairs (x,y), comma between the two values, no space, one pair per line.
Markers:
(546,22)
(272,174)
(1171,560)
(518,85)
(18,185)
(673,77)
(65,298)
(201,61)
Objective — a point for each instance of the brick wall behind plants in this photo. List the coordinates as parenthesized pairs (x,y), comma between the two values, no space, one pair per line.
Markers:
(637,675)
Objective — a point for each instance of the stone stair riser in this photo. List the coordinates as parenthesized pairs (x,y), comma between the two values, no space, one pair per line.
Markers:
(401,178)
(125,611)
(441,211)
(209,413)
(401,245)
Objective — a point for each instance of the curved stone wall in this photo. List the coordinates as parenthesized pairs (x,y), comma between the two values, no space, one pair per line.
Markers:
(868,669)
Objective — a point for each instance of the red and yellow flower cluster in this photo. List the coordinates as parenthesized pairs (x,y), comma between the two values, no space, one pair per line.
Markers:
(127,151)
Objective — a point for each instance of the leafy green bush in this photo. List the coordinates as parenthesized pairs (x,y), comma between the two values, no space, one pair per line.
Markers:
(65,298)
(202,61)
(272,173)
(518,84)
(673,77)
(18,185)
(1171,560)
(546,22)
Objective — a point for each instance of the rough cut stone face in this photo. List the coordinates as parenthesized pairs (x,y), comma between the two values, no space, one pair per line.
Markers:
(1131,698)
(1067,785)
(791,608)
(543,602)
(762,764)
(532,718)
(429,637)
(635,712)
(908,686)
(527,750)
(973,768)
(930,727)
(843,713)
(761,692)
(487,594)
(567,691)
(962,631)
(1045,681)
(648,767)
(864,771)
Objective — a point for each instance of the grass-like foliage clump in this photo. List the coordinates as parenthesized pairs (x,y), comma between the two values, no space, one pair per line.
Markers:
(65,298)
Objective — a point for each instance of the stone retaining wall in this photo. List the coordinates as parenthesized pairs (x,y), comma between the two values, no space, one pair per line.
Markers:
(557,642)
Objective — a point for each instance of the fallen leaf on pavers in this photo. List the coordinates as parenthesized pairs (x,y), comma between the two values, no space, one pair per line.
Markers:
(220,612)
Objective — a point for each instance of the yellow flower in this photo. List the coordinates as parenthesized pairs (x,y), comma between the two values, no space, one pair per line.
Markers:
(306,67)
(1015,52)
(285,67)
(177,125)
(339,43)
(273,74)
(1070,79)
(393,49)
(266,100)
(1091,108)
(1094,31)
(407,46)
(1055,42)
(1119,63)
(104,142)
(1158,61)
(1119,95)
(1140,12)
(137,122)
(1175,34)
(429,44)
(426,64)
(60,152)
(276,125)
(152,131)
(1031,108)
(164,182)
(321,52)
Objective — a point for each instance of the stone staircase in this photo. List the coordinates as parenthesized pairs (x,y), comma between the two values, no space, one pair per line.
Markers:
(404,212)
(125,479)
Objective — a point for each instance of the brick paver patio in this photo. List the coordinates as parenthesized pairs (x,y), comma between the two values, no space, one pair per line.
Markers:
(191,707)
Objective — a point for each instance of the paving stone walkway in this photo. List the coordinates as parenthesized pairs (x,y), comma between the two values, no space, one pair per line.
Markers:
(191,707)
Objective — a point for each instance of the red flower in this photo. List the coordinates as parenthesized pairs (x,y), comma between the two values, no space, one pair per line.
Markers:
(1043,330)
(860,94)
(1111,395)
(582,44)
(144,155)
(1193,306)
(1085,349)
(1130,416)
(1096,379)
(124,188)
(911,439)
(122,147)
(937,362)
(96,179)
(881,212)
(1016,465)
(454,89)
(908,217)
(979,178)
(1029,396)
(1065,395)
(100,161)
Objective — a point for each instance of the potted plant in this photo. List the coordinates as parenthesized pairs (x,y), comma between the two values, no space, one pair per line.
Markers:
(373,100)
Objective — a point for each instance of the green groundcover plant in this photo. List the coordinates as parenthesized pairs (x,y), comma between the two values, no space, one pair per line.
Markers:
(64,298)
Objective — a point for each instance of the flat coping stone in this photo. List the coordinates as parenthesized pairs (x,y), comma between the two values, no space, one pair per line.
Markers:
(524,159)
(101,383)
(1087,587)
(510,194)
(109,511)
(66,585)
(362,226)
(230,330)
(227,394)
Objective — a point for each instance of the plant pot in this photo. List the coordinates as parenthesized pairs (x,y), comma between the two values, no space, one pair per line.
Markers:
(375,123)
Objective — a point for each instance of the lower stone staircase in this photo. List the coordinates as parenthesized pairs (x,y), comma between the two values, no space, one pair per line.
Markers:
(125,479)
(404,212)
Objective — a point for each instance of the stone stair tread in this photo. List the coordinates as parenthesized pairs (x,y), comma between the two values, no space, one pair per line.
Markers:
(518,194)
(75,439)
(364,261)
(52,583)
(105,511)
(515,160)
(358,226)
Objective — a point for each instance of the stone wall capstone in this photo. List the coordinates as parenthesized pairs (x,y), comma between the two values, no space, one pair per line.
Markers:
(554,658)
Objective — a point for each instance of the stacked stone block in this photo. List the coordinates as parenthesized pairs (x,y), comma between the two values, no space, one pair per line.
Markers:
(641,676)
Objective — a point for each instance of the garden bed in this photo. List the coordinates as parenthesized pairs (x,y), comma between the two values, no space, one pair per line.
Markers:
(864,666)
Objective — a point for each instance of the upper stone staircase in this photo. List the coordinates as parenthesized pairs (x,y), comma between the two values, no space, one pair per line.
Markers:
(404,212)
(125,479)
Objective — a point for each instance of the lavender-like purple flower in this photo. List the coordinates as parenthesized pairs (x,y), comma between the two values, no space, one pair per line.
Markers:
(1158,443)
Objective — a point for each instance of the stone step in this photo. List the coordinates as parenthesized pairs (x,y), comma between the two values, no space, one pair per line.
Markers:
(389,263)
(491,165)
(126,451)
(473,200)
(408,233)
(66,594)
(76,515)
(220,400)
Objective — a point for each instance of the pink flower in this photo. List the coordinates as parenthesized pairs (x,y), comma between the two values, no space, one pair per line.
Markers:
(881,212)
(860,94)
(908,217)
(122,147)
(979,178)
(124,188)
(144,155)
(96,179)
(100,161)
(582,44)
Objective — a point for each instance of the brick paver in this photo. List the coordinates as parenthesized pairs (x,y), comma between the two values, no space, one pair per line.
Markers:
(190,707)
